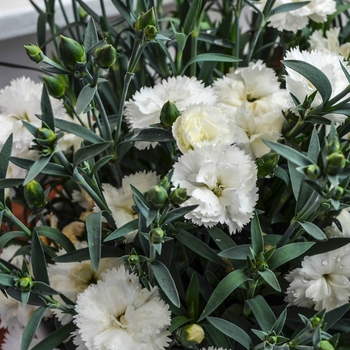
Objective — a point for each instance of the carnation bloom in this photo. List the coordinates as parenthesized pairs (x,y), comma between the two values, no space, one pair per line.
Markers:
(120,200)
(199,125)
(322,281)
(221,180)
(316,10)
(330,43)
(254,102)
(118,314)
(329,63)
(144,107)
(72,278)
(344,220)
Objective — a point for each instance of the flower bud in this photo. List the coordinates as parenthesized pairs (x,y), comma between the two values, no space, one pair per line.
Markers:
(106,56)
(325,345)
(336,163)
(82,13)
(34,196)
(313,171)
(71,52)
(334,145)
(271,339)
(45,137)
(337,193)
(134,259)
(150,32)
(178,196)
(34,52)
(156,197)
(145,19)
(26,284)
(54,86)
(191,335)
(157,235)
(169,114)
(164,182)
(267,163)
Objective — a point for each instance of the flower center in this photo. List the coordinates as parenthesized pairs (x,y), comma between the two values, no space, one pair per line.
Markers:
(218,190)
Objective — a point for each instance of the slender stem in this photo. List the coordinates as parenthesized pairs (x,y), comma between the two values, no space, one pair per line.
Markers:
(250,295)
(237,29)
(292,227)
(194,47)
(103,113)
(63,160)
(8,213)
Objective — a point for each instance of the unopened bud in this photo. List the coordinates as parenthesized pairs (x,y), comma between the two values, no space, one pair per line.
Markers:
(334,145)
(325,345)
(178,196)
(191,335)
(266,164)
(337,192)
(55,87)
(271,339)
(134,259)
(336,162)
(157,235)
(156,197)
(34,52)
(46,137)
(145,19)
(34,195)
(169,114)
(71,52)
(26,284)
(82,13)
(150,32)
(106,55)
(313,171)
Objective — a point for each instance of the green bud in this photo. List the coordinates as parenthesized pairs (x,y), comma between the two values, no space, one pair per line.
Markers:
(54,86)
(34,52)
(157,235)
(82,13)
(315,321)
(271,339)
(106,56)
(46,137)
(134,259)
(313,171)
(25,283)
(337,192)
(165,183)
(178,196)
(34,196)
(325,345)
(71,52)
(156,197)
(336,162)
(266,164)
(334,145)
(169,114)
(191,335)
(145,19)
(150,32)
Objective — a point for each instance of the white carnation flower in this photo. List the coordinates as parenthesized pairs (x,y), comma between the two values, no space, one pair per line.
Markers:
(330,43)
(322,281)
(144,107)
(199,125)
(118,314)
(120,200)
(221,180)
(73,278)
(344,220)
(316,10)
(329,63)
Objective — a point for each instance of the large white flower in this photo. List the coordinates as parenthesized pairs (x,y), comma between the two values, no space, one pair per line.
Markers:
(322,281)
(73,278)
(329,63)
(144,107)
(118,314)
(344,220)
(221,180)
(199,125)
(330,43)
(316,10)
(120,200)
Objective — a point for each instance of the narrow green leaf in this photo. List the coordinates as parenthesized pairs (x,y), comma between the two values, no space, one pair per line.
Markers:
(88,152)
(216,338)
(36,168)
(166,282)
(177,322)
(56,236)
(38,259)
(222,239)
(32,326)
(10,182)
(176,214)
(42,288)
(291,6)
(313,231)
(91,37)
(6,280)
(191,17)
(86,95)
(270,278)
(46,109)
(57,337)
(279,324)
(333,316)
(192,297)
(256,234)
(314,146)
(100,163)
(94,232)
(123,230)
(238,252)
(5,153)
(198,247)
(140,201)
(223,290)
(296,178)
(232,331)
(314,75)
(149,134)
(262,312)
(288,252)
(305,192)
(282,174)
(8,236)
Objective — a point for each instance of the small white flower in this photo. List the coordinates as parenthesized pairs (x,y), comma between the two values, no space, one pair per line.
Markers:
(329,63)
(120,200)
(144,108)
(118,314)
(74,277)
(330,43)
(316,10)
(221,180)
(344,220)
(322,281)
(199,125)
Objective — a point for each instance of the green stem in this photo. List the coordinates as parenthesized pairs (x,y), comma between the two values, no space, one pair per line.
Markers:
(8,213)
(194,50)
(250,295)
(103,113)
(292,227)
(238,10)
